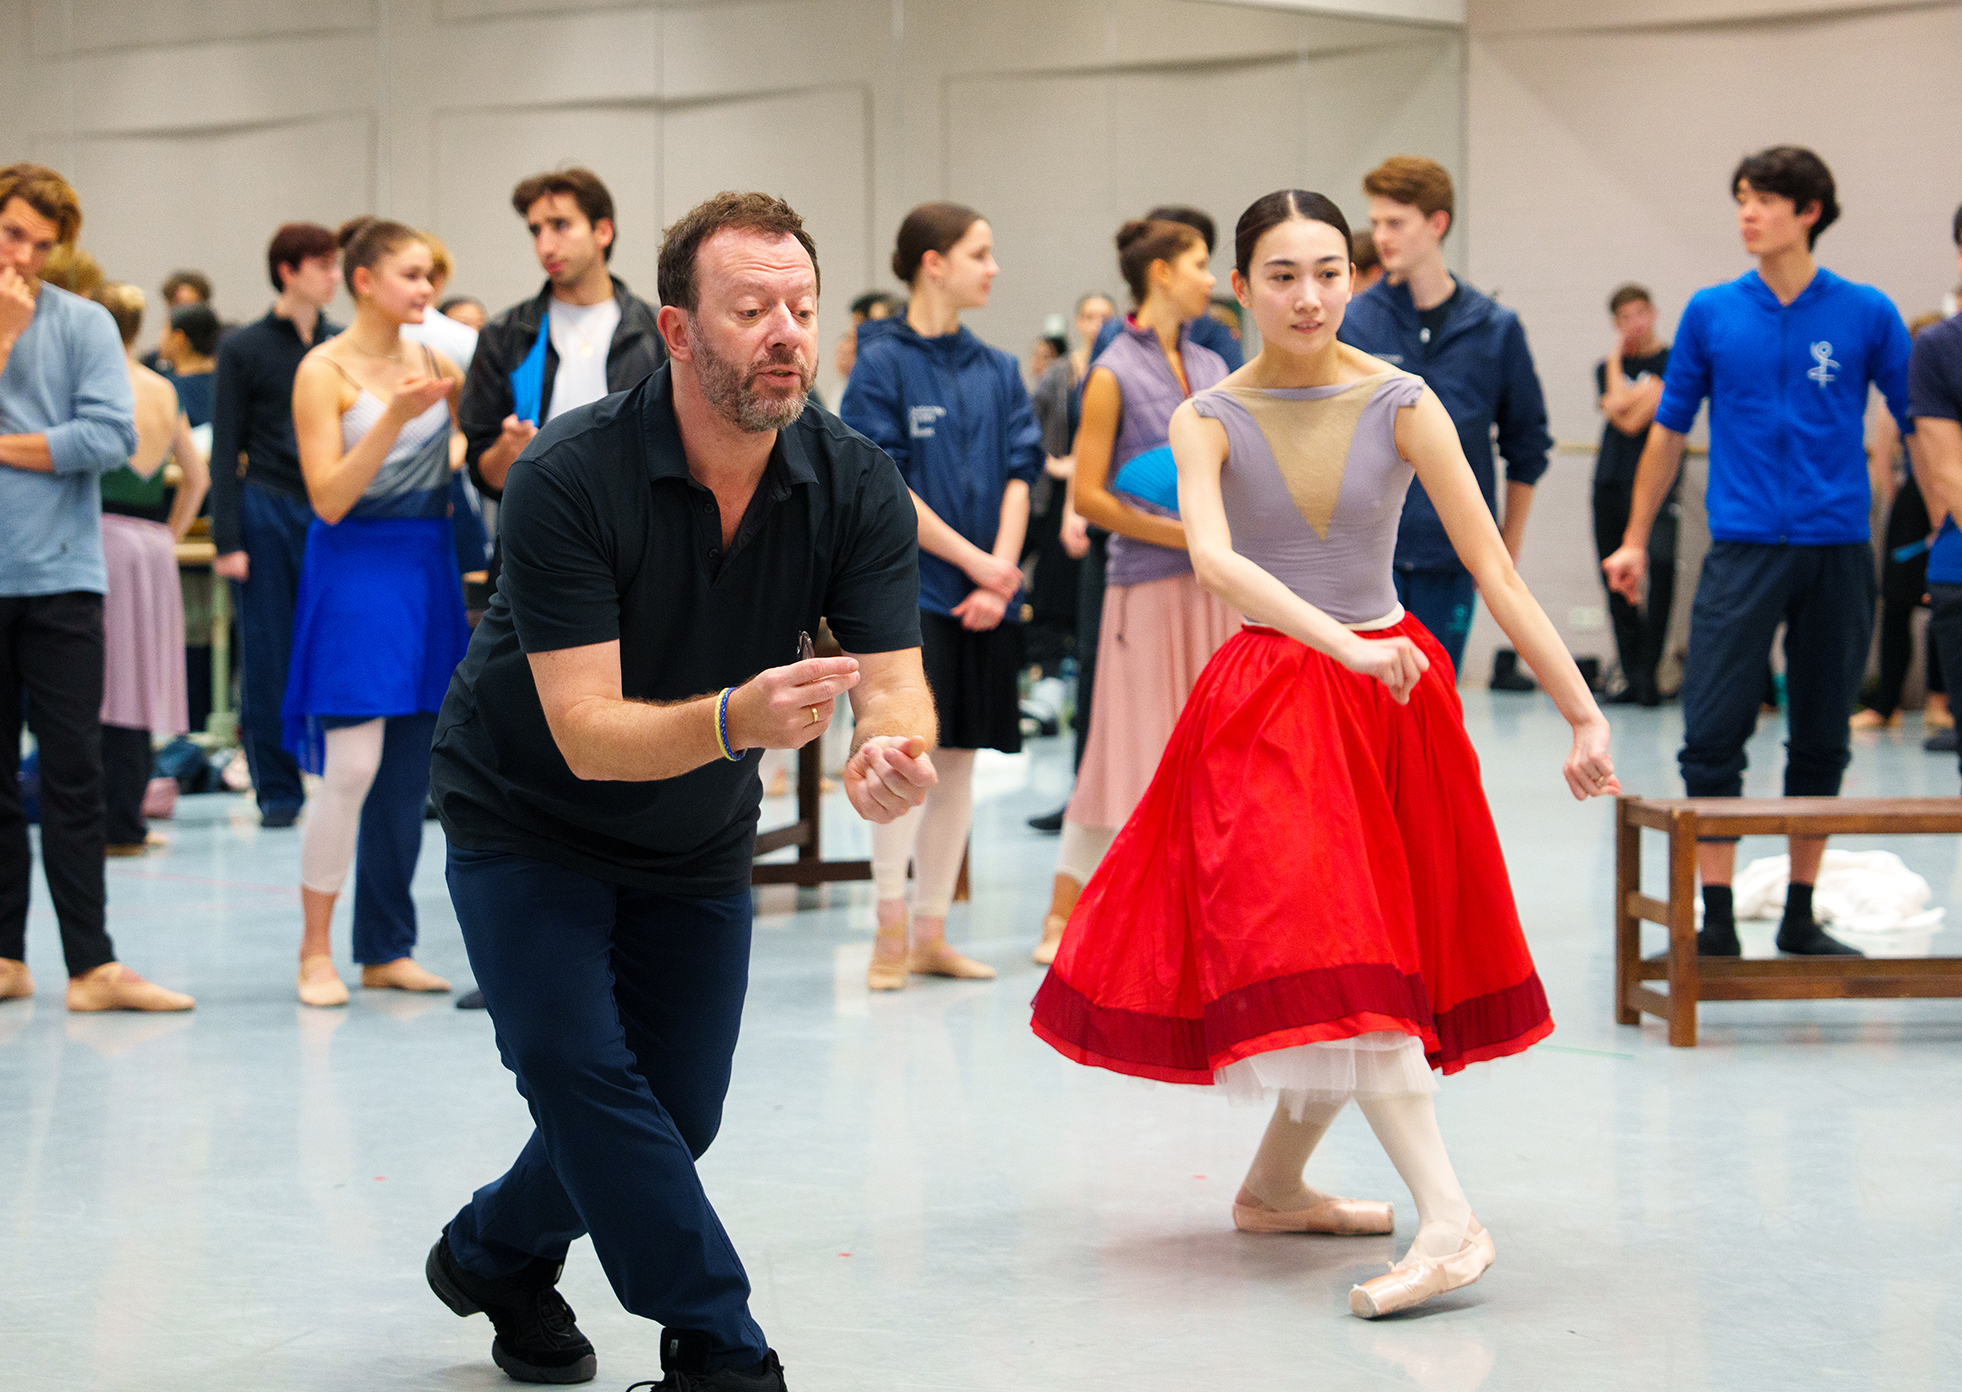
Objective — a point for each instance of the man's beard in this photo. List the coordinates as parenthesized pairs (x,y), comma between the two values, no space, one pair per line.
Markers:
(732,391)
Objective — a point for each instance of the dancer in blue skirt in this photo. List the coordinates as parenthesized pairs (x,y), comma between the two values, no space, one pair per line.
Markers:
(378,626)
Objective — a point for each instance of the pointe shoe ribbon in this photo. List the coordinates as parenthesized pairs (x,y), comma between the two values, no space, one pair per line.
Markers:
(113,986)
(16,982)
(1340,1217)
(938,959)
(1425,1278)
(403,974)
(320,985)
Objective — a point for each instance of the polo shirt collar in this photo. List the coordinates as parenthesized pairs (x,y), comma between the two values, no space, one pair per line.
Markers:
(667,459)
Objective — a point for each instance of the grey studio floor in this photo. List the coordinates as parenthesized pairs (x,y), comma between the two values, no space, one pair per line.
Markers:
(928,1198)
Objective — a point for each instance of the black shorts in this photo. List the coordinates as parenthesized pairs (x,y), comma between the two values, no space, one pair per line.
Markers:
(975,681)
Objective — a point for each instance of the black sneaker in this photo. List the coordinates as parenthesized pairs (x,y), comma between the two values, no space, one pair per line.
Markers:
(537,1340)
(1051,822)
(471,1000)
(684,1357)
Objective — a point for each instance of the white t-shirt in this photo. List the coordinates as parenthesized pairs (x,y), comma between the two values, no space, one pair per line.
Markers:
(581,334)
(455,341)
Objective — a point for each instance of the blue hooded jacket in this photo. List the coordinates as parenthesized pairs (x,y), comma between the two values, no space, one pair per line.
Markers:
(954,415)
(1482,370)
(1788,388)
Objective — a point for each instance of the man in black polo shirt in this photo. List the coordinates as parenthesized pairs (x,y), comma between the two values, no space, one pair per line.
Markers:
(259,512)
(665,551)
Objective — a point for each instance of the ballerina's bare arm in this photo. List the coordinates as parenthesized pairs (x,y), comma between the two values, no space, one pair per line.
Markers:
(1428,439)
(1199,449)
(1096,437)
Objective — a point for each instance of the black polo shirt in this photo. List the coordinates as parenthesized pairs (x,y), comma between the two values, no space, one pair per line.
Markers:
(606,536)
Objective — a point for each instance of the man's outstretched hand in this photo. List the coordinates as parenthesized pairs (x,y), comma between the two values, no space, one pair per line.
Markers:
(889,776)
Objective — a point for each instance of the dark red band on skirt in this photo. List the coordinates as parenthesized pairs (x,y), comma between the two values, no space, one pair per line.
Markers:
(1493,1026)
(1286,1011)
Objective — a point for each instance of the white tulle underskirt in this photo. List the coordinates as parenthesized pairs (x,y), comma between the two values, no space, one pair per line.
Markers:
(1381,1064)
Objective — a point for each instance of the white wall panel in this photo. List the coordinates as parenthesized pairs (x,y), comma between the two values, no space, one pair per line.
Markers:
(481,156)
(155,203)
(90,26)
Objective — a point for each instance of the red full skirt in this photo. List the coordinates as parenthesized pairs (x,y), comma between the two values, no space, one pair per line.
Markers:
(1311,862)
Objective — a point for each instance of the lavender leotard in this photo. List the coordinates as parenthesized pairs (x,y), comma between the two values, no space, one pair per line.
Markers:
(1313,486)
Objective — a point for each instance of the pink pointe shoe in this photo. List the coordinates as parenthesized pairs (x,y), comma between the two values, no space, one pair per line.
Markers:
(1338,1217)
(1425,1278)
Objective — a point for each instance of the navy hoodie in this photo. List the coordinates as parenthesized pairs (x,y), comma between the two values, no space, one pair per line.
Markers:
(1482,370)
(1788,388)
(954,415)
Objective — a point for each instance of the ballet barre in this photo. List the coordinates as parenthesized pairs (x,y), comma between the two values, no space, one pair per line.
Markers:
(1691,978)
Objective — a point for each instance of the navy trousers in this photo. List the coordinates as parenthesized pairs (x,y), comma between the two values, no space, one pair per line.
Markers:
(1824,595)
(391,841)
(275,531)
(1442,600)
(617,1009)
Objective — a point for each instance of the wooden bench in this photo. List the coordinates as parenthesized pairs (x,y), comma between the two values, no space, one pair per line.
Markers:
(1692,979)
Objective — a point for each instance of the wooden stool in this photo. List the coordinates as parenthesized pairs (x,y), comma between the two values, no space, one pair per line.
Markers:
(1692,978)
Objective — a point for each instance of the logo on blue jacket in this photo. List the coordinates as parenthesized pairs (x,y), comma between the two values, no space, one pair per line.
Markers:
(1822,354)
(921,420)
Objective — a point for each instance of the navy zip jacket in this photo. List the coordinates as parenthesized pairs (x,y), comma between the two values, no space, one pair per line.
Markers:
(954,415)
(1481,369)
(1788,388)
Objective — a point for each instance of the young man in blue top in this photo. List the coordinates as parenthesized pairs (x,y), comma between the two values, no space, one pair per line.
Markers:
(65,420)
(1787,355)
(1935,403)
(1473,354)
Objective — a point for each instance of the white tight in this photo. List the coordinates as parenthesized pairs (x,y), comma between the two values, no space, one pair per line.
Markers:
(354,753)
(933,836)
(1406,1127)
(1082,849)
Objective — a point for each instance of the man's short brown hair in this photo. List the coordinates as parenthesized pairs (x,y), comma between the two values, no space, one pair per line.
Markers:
(296,242)
(1422,183)
(47,193)
(761,213)
(194,280)
(579,184)
(1629,294)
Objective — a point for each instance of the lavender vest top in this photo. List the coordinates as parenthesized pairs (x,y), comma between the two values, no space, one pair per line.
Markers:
(1313,486)
(1141,469)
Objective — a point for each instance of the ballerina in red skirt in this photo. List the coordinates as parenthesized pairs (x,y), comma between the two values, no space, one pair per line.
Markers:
(1310,903)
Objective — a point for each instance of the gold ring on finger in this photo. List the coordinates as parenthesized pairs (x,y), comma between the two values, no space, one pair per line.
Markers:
(814,715)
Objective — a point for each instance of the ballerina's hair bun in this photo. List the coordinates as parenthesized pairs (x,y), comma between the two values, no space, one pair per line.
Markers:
(366,239)
(1142,241)
(929,227)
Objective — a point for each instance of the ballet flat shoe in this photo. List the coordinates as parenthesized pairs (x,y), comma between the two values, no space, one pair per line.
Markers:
(888,973)
(16,981)
(1052,939)
(938,959)
(113,986)
(403,974)
(1425,1278)
(1339,1217)
(321,987)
